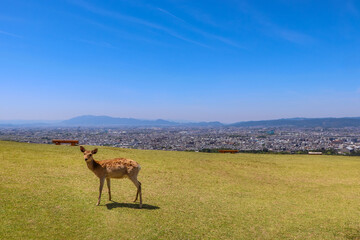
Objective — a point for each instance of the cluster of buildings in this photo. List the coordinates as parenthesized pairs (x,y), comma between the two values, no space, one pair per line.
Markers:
(344,140)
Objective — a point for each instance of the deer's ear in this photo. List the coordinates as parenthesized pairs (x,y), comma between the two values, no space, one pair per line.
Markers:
(94,151)
(82,149)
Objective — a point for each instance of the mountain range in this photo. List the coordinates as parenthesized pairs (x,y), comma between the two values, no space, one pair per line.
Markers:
(106,121)
(303,123)
(90,120)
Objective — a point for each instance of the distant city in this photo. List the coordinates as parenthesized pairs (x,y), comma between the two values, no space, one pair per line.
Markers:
(203,139)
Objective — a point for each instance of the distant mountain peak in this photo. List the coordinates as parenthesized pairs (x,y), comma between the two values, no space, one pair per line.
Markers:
(90,120)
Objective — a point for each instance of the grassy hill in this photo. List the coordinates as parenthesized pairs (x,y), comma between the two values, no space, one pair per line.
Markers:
(47,192)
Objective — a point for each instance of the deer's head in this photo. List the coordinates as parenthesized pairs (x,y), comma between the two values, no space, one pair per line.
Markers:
(88,155)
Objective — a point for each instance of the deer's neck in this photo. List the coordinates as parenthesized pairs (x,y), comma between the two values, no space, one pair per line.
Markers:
(92,165)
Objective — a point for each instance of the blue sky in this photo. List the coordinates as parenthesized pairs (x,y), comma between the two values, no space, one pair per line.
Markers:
(181,60)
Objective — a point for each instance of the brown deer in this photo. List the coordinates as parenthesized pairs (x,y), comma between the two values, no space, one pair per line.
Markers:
(113,168)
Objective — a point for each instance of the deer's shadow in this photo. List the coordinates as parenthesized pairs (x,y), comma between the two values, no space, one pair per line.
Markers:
(130,205)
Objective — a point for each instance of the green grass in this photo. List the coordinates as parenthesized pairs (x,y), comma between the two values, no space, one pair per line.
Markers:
(47,192)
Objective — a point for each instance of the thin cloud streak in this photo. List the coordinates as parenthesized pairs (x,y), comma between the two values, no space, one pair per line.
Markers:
(275,30)
(200,16)
(290,35)
(11,19)
(218,38)
(203,33)
(96,43)
(135,20)
(10,34)
(119,33)
(170,14)
(103,12)
(188,40)
(285,34)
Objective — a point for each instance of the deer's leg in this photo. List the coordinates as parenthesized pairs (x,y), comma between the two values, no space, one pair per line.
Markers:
(135,181)
(108,185)
(138,186)
(137,194)
(140,194)
(102,180)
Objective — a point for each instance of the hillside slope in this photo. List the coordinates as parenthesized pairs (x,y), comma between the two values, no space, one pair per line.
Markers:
(47,192)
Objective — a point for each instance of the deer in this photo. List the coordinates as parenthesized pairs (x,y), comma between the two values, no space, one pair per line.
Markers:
(113,168)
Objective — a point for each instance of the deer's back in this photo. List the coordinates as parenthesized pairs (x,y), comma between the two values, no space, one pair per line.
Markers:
(119,167)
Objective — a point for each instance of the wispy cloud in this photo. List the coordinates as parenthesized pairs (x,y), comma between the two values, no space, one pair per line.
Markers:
(135,20)
(119,33)
(10,34)
(116,15)
(286,34)
(200,16)
(218,38)
(170,14)
(205,34)
(11,19)
(290,35)
(97,43)
(91,8)
(270,28)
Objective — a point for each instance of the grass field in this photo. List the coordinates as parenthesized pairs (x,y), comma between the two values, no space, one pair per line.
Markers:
(47,192)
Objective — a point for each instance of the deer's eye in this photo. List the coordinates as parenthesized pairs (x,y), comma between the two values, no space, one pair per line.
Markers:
(90,155)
